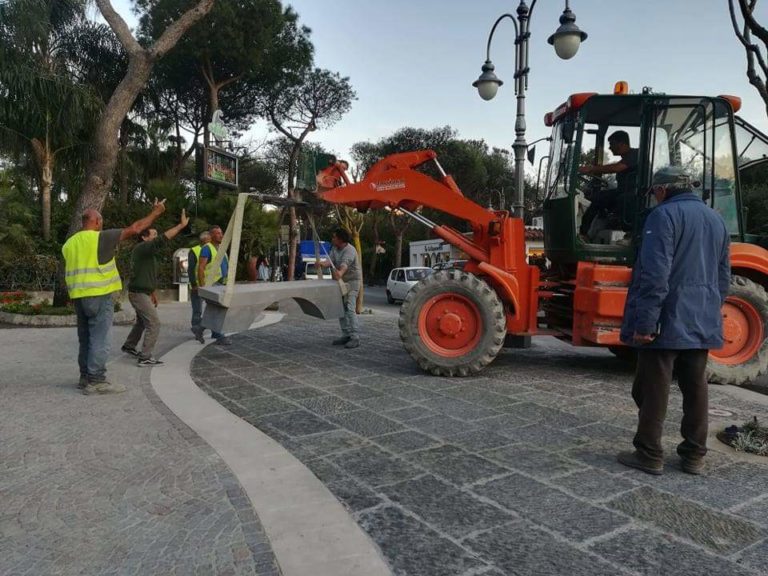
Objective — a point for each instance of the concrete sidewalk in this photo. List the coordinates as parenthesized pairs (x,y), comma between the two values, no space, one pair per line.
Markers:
(509,473)
(114,484)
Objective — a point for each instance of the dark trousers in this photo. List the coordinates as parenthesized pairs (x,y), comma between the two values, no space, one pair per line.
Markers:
(197,309)
(197,315)
(651,393)
(609,200)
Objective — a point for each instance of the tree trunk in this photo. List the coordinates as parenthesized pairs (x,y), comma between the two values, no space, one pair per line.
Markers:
(359,248)
(46,183)
(293,242)
(123,172)
(101,167)
(399,247)
(44,159)
(374,254)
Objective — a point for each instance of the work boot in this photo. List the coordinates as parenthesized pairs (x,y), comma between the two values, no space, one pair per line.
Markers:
(103,388)
(635,460)
(352,343)
(223,341)
(341,341)
(691,466)
(83,382)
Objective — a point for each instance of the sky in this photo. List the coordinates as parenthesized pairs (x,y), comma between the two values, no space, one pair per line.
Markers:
(412,62)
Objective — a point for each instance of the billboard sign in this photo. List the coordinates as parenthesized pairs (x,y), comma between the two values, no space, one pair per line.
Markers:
(218,167)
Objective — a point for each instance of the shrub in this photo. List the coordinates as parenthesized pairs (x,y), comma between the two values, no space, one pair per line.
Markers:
(752,438)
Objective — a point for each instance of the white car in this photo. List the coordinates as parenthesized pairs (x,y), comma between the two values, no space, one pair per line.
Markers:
(401,280)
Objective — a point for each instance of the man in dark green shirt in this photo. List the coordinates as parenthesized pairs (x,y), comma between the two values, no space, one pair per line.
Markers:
(141,292)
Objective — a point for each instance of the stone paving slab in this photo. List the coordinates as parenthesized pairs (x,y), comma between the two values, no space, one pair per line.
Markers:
(510,472)
(111,485)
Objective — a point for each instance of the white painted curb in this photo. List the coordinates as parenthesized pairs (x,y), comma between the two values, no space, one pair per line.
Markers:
(311,533)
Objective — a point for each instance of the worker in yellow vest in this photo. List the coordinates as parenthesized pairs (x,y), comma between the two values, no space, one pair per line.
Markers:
(91,276)
(197,303)
(207,275)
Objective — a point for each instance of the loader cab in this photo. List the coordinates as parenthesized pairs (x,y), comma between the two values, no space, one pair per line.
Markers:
(696,133)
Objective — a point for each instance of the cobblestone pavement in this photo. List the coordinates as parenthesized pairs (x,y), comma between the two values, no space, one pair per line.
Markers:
(513,472)
(111,485)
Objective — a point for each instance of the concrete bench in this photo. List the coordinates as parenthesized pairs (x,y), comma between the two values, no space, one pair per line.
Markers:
(318,298)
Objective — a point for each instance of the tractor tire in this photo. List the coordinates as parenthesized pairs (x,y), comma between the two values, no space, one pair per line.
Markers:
(452,323)
(390,300)
(744,357)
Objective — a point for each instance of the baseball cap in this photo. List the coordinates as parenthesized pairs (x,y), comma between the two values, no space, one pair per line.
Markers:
(673,176)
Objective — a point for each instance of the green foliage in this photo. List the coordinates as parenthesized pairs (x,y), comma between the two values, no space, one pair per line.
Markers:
(240,49)
(17,218)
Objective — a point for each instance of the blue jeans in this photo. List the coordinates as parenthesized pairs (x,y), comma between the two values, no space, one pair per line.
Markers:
(94,332)
(197,314)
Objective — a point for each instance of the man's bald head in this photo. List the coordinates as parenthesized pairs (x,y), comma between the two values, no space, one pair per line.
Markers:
(92,220)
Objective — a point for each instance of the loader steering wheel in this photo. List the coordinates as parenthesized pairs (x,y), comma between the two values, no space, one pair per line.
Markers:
(592,183)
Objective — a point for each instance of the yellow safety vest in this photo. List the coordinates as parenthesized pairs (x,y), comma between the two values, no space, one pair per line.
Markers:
(215,275)
(193,272)
(83,274)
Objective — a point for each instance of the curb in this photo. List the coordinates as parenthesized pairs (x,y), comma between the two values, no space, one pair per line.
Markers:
(310,531)
(121,318)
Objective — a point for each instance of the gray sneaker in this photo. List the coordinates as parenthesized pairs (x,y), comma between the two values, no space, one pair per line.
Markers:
(103,388)
(352,343)
(223,341)
(83,382)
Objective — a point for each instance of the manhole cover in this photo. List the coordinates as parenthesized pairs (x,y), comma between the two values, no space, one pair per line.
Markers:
(720,412)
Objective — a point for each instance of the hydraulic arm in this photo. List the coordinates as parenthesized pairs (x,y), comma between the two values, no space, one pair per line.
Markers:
(496,249)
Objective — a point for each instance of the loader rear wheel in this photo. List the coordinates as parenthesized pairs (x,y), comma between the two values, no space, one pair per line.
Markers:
(452,323)
(744,357)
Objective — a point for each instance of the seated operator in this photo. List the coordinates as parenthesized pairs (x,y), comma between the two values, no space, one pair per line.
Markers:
(625,169)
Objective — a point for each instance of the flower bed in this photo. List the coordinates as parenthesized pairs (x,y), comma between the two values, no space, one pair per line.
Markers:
(17,308)
(20,303)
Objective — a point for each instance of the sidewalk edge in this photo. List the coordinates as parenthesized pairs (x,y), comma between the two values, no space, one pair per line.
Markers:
(310,531)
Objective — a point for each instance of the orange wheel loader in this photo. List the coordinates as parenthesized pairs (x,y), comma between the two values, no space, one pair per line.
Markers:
(455,322)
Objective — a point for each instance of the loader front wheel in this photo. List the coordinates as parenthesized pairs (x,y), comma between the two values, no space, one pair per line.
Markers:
(744,357)
(452,323)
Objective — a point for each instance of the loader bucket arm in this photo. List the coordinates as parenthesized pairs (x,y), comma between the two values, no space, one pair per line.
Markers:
(394,182)
(496,249)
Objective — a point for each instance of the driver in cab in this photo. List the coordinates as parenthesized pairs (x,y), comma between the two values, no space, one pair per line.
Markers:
(610,200)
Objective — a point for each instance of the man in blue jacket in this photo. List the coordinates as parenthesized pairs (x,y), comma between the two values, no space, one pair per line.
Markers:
(672,315)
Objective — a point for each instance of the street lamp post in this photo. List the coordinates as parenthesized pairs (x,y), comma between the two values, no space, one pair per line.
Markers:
(566,41)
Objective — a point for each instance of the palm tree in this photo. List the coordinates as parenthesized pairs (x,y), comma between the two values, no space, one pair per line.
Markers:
(44,110)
